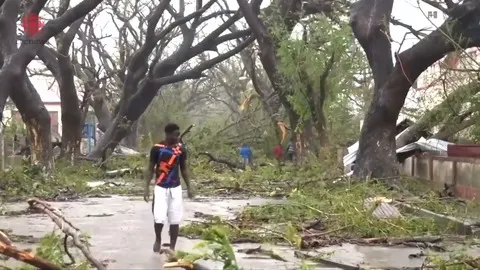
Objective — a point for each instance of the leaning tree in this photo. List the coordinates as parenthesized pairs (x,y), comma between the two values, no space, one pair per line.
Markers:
(370,24)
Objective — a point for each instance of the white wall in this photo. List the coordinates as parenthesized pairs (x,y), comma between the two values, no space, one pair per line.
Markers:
(56,108)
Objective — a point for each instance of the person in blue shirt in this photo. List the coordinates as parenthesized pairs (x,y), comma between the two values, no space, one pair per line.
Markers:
(246,154)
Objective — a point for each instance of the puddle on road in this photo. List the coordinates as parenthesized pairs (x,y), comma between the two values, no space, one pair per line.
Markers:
(121,231)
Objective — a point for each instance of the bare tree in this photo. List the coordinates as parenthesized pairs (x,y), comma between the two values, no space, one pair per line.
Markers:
(146,73)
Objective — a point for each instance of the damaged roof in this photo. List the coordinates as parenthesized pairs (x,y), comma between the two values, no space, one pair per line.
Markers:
(430,145)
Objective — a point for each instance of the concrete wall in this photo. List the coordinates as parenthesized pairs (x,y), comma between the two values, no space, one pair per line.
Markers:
(463,173)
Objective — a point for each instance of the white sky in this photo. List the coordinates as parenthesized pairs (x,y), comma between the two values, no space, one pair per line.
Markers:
(407,11)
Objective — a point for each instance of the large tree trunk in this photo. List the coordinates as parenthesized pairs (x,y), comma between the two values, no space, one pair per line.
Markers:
(37,119)
(127,114)
(132,138)
(101,110)
(71,115)
(377,156)
(370,21)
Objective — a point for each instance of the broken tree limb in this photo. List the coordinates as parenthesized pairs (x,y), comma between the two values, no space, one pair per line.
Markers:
(27,257)
(69,230)
(4,239)
(65,247)
(231,165)
(7,249)
(186,132)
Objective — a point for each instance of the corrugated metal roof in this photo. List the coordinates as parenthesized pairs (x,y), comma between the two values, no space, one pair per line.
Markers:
(353,149)
(430,145)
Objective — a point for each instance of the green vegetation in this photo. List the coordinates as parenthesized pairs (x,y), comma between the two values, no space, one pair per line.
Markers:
(51,248)
(215,246)
(67,181)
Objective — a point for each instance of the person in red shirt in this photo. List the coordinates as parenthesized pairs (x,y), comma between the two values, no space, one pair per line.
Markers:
(278,152)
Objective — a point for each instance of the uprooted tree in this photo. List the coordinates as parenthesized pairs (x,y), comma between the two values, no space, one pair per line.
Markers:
(370,23)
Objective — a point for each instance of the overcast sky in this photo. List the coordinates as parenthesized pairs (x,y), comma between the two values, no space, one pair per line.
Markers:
(407,11)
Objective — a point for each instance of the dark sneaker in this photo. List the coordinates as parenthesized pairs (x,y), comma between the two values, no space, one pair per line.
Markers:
(156,246)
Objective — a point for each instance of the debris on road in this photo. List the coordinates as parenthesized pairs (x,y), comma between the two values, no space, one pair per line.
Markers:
(67,228)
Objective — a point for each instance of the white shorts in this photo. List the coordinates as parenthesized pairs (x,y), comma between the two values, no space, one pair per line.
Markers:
(168,205)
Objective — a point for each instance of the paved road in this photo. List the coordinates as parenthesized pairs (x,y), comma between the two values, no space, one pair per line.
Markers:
(125,236)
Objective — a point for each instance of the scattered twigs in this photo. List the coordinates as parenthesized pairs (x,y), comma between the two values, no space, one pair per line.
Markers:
(396,241)
(322,239)
(231,165)
(69,230)
(264,252)
(7,249)
(473,263)
(303,255)
(312,235)
(314,209)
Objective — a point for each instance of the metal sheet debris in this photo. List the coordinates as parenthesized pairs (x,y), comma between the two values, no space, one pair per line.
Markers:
(383,208)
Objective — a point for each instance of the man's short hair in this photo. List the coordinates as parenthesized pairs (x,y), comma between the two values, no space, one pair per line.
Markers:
(171,127)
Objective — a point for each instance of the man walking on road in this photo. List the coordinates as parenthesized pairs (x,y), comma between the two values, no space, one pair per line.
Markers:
(165,160)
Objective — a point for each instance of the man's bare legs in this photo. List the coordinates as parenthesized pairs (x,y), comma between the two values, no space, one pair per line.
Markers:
(174,229)
(158,237)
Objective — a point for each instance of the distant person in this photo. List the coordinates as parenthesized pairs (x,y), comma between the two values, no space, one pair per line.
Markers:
(290,152)
(166,158)
(278,152)
(246,154)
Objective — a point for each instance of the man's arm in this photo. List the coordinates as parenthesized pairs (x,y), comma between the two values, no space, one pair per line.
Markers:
(185,171)
(149,170)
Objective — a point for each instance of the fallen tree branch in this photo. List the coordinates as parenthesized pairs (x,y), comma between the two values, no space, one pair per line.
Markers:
(4,239)
(7,249)
(231,165)
(186,132)
(65,246)
(69,230)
